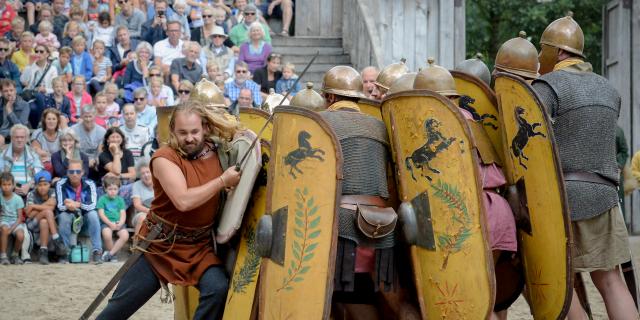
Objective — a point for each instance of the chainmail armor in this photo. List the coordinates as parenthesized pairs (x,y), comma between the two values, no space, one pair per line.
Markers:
(584,109)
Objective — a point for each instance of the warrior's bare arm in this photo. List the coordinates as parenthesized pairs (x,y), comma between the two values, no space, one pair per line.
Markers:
(184,198)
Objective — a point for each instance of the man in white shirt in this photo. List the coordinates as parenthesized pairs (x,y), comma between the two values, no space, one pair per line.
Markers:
(170,48)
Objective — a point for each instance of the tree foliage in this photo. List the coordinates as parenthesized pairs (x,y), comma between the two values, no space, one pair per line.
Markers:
(490,23)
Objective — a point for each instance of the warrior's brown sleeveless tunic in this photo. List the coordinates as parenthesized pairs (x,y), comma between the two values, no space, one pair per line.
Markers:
(186,261)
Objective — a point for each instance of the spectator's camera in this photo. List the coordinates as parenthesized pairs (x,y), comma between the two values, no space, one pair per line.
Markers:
(160,13)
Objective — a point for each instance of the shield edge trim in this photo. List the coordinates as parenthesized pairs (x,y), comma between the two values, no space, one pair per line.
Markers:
(560,181)
(255,111)
(485,232)
(485,88)
(268,208)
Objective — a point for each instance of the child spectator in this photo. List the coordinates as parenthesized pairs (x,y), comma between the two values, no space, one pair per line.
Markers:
(11,219)
(213,72)
(13,35)
(71,30)
(135,134)
(102,118)
(46,37)
(101,68)
(179,13)
(93,12)
(220,17)
(41,203)
(63,66)
(24,57)
(111,209)
(81,62)
(57,100)
(157,97)
(78,97)
(288,79)
(7,14)
(77,14)
(111,91)
(142,194)
(104,30)
(184,91)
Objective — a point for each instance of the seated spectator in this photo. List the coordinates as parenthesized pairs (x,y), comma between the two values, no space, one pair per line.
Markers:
(23,56)
(113,107)
(138,70)
(41,203)
(76,197)
(278,9)
(111,210)
(103,31)
(102,118)
(240,32)
(213,72)
(13,36)
(101,68)
(69,149)
(220,19)
(153,30)
(131,17)
(20,160)
(78,97)
(186,68)
(156,96)
(146,113)
(7,14)
(135,134)
(14,110)
(58,100)
(46,14)
(11,219)
(71,30)
(123,51)
(76,14)
(81,61)
(63,66)
(289,77)
(8,69)
(46,36)
(179,13)
(165,51)
(241,80)
(60,19)
(38,76)
(220,54)
(184,90)
(203,33)
(90,135)
(245,100)
(142,194)
(156,71)
(116,160)
(44,140)
(268,76)
(255,51)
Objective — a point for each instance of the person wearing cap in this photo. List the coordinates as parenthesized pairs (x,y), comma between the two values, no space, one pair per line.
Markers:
(204,33)
(41,203)
(219,53)
(239,34)
(186,68)
(584,109)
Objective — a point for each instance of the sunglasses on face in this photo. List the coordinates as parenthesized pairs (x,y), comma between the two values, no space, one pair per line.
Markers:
(4,49)
(249,13)
(184,91)
(218,36)
(74,171)
(207,16)
(39,51)
(139,99)
(122,2)
(241,71)
(154,74)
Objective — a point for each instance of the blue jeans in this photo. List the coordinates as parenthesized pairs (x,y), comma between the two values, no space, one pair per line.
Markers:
(91,226)
(140,283)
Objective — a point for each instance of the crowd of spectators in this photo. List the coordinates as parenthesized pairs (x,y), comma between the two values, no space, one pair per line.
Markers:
(80,82)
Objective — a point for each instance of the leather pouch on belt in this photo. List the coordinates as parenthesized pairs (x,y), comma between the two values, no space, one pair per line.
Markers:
(376,222)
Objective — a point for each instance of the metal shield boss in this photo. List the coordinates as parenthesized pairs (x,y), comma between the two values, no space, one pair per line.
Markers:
(442,209)
(298,235)
(532,165)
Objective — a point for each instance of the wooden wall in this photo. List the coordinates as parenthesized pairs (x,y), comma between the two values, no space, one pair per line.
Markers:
(319,18)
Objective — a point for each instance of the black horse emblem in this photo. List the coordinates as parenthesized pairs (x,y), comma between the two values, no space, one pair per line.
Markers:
(304,151)
(465,103)
(436,143)
(526,130)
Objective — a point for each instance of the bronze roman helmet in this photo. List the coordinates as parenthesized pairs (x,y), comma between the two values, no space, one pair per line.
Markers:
(518,56)
(390,74)
(476,67)
(208,93)
(308,99)
(343,81)
(436,78)
(565,34)
(273,100)
(404,83)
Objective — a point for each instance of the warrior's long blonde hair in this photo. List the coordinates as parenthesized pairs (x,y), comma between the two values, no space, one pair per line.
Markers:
(221,127)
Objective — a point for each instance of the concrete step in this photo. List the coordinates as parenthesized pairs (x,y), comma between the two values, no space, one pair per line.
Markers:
(304,59)
(280,41)
(308,51)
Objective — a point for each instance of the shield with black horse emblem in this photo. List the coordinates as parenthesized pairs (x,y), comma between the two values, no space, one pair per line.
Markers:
(532,166)
(298,235)
(442,213)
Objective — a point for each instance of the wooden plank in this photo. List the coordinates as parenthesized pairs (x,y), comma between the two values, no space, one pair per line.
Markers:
(634,137)
(408,47)
(336,25)
(433,29)
(421,36)
(397,31)
(446,20)
(459,35)
(325,12)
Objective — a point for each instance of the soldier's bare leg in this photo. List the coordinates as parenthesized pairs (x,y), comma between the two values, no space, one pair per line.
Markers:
(615,294)
(576,312)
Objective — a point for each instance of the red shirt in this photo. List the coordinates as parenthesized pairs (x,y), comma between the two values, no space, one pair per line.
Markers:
(8,14)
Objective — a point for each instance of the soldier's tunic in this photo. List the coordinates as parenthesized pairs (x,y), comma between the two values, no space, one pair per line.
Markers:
(584,109)
(364,144)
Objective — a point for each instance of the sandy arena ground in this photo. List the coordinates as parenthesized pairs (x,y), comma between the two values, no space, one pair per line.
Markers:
(61,291)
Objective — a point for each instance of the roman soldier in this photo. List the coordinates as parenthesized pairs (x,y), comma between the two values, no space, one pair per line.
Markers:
(389,75)
(518,56)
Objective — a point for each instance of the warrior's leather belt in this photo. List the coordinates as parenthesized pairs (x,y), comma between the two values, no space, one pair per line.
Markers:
(178,232)
(586,176)
(351,201)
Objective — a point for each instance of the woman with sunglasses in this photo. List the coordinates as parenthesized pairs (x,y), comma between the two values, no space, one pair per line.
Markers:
(202,34)
(69,149)
(184,91)
(33,72)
